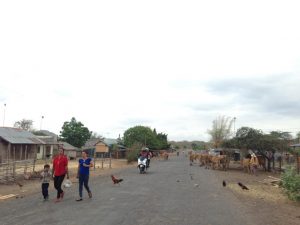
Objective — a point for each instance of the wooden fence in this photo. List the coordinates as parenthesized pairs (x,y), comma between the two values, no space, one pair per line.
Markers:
(11,171)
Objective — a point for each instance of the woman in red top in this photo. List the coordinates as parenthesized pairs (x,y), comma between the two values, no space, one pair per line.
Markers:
(60,169)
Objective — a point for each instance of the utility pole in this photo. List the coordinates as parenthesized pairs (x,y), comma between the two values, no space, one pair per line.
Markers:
(4,114)
(234,119)
(41,122)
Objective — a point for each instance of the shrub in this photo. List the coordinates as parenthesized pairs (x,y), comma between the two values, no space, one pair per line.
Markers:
(291,184)
(133,152)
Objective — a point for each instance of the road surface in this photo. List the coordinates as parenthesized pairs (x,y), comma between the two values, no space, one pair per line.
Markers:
(172,192)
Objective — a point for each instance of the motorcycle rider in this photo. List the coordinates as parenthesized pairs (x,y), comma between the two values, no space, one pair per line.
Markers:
(145,153)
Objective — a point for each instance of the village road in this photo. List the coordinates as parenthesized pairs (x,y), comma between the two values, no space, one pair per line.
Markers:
(172,192)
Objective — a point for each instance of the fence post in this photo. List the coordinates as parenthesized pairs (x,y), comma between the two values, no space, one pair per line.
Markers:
(33,169)
(25,167)
(102,160)
(298,163)
(14,170)
(280,162)
(95,156)
(110,160)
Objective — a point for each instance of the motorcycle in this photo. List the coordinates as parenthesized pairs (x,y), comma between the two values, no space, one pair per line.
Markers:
(142,164)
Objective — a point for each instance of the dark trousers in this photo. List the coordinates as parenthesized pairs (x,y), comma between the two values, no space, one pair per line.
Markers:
(45,187)
(83,180)
(57,184)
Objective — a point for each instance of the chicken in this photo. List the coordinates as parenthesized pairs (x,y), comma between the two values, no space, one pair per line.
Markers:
(115,180)
(19,184)
(21,189)
(243,186)
(224,183)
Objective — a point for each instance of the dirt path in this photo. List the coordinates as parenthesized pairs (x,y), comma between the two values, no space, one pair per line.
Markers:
(267,202)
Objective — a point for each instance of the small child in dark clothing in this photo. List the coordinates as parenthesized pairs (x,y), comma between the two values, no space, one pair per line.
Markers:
(45,177)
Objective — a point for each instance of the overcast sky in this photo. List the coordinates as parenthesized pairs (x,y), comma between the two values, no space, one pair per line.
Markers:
(171,65)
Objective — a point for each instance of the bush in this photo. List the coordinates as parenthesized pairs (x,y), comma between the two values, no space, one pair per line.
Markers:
(291,183)
(133,153)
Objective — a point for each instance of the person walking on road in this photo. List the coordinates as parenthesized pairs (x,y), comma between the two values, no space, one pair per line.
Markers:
(60,170)
(45,178)
(84,165)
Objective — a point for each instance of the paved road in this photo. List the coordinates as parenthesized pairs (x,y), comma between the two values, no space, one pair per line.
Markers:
(166,195)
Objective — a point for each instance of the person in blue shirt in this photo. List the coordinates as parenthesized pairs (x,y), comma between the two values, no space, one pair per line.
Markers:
(84,165)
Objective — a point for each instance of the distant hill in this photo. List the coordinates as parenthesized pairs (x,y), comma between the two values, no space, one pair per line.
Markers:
(196,145)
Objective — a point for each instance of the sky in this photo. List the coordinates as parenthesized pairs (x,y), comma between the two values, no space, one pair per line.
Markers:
(170,65)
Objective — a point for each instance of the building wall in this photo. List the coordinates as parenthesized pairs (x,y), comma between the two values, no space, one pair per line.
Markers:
(3,149)
(40,152)
(45,151)
(101,147)
(71,154)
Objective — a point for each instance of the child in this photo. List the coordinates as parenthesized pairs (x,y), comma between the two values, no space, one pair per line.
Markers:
(45,177)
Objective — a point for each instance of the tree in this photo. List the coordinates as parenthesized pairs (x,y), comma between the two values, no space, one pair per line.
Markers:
(221,130)
(162,141)
(256,140)
(248,138)
(24,124)
(75,133)
(146,137)
(298,136)
(96,135)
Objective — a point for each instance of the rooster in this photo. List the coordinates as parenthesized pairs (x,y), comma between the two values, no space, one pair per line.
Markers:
(115,180)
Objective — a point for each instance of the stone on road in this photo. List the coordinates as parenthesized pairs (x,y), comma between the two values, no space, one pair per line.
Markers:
(165,195)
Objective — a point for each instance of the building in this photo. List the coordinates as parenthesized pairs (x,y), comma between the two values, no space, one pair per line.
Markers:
(98,147)
(69,150)
(95,147)
(17,144)
(50,148)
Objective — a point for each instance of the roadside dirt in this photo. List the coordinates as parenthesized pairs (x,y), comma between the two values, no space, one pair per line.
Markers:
(267,202)
(9,191)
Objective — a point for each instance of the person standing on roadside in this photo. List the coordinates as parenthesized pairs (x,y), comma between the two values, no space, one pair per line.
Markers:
(59,171)
(84,165)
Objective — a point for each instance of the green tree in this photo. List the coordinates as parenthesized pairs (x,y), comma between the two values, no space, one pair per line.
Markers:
(75,133)
(146,137)
(248,138)
(162,141)
(138,134)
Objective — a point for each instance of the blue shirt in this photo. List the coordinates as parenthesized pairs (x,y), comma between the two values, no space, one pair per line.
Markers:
(82,169)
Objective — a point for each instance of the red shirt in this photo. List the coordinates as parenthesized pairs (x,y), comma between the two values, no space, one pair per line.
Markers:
(60,164)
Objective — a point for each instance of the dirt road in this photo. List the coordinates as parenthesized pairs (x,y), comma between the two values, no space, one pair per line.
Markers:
(172,192)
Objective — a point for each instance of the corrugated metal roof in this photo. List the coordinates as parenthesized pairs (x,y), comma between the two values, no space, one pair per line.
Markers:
(67,146)
(18,136)
(92,142)
(295,145)
(110,141)
(48,139)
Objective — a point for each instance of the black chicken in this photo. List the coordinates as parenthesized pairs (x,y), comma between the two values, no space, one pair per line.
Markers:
(243,186)
(224,183)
